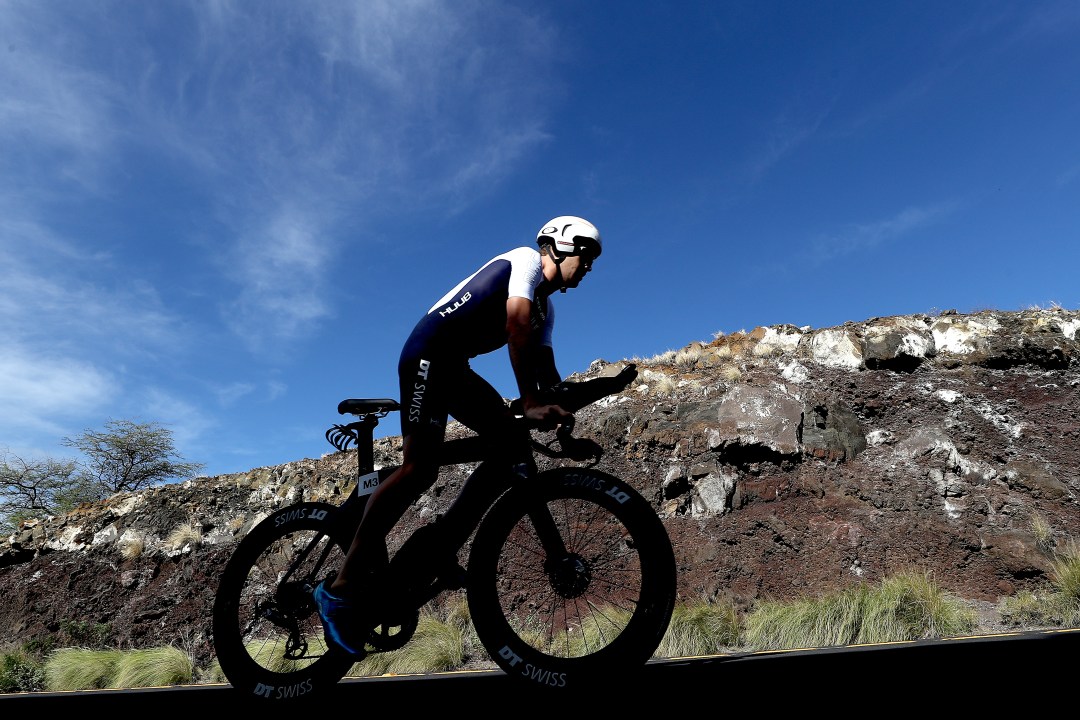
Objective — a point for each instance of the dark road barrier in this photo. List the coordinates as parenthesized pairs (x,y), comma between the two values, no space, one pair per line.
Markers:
(981,672)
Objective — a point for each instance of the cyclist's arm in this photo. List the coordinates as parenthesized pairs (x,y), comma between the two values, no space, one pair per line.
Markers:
(547,374)
(527,363)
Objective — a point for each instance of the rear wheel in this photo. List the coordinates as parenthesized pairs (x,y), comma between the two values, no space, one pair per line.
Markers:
(267,633)
(597,604)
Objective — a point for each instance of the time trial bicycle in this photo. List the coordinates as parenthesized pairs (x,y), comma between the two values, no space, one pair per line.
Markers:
(570,573)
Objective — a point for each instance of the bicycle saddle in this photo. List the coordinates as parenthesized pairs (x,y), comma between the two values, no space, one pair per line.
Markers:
(366,406)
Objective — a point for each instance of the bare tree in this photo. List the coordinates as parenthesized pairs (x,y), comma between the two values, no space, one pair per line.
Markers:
(38,489)
(128,456)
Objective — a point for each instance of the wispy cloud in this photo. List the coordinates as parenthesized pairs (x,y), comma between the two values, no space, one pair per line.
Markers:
(363,107)
(284,126)
(278,269)
(41,393)
(860,237)
(1054,20)
(789,131)
(493,161)
(63,297)
(993,31)
(328,108)
(1068,176)
(68,336)
(229,394)
(185,420)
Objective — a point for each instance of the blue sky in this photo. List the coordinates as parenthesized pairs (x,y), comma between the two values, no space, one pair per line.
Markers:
(225,217)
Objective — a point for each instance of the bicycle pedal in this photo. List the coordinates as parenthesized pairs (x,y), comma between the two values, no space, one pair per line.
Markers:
(393,634)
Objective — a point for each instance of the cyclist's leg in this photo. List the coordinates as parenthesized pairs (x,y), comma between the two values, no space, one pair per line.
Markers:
(475,403)
(480,407)
(424,387)
(352,605)
(367,555)
(350,602)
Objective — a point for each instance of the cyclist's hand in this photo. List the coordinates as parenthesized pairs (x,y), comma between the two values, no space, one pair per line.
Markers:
(547,417)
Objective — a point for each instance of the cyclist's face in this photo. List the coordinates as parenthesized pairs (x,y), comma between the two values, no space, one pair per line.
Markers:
(575,267)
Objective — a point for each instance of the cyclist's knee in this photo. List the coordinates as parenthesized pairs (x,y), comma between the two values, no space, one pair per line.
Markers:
(504,435)
(418,473)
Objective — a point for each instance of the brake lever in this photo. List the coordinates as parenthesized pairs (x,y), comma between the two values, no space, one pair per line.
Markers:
(566,429)
(579,449)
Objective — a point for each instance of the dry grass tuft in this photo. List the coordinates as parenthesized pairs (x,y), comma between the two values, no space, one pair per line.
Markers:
(731,372)
(184,535)
(132,547)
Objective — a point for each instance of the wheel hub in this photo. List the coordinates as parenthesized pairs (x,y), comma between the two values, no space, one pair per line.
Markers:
(570,575)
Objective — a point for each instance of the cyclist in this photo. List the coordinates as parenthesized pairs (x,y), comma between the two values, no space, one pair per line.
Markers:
(507,302)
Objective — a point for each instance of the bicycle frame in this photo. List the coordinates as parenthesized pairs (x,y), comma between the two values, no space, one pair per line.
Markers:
(481,489)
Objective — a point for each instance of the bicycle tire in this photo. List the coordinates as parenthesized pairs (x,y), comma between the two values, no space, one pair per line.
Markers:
(607,616)
(267,633)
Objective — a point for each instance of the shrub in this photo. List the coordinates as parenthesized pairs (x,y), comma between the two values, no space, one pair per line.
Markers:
(1023,609)
(1060,606)
(20,672)
(908,606)
(1044,537)
(81,669)
(700,628)
(1066,573)
(153,667)
(84,633)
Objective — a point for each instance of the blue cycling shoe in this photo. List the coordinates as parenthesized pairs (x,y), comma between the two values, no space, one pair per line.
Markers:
(341,621)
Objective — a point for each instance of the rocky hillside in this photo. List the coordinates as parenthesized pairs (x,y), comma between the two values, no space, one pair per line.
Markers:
(785,462)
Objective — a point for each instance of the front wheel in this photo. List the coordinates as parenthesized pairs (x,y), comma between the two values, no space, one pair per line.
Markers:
(571,577)
(267,633)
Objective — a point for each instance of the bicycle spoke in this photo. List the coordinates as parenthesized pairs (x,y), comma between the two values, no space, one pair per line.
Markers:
(588,605)
(279,634)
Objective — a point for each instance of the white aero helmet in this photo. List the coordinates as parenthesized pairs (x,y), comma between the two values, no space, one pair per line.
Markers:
(570,235)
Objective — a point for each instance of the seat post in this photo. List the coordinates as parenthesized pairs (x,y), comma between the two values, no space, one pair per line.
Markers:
(365,439)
